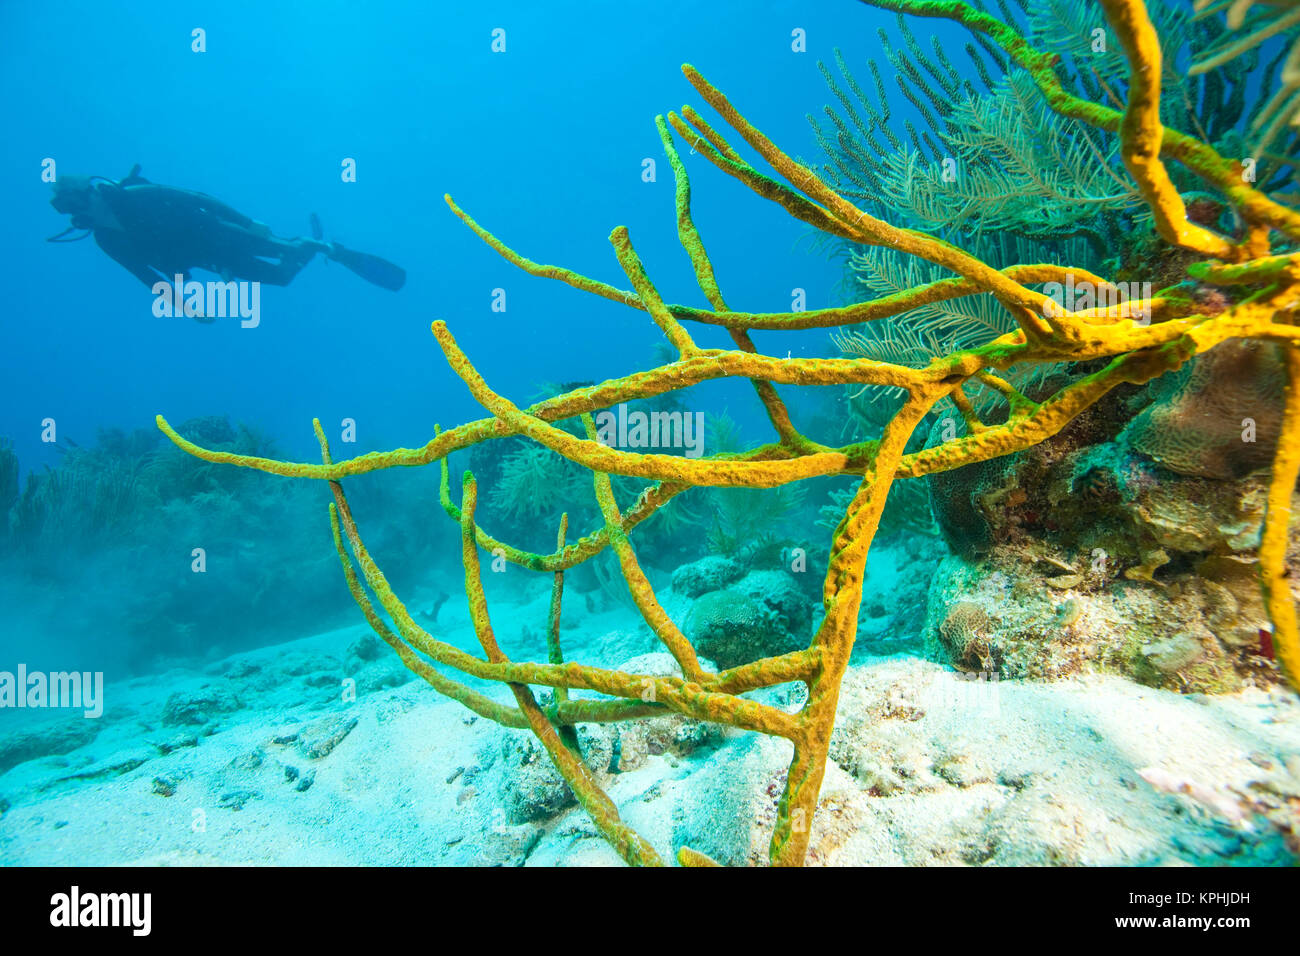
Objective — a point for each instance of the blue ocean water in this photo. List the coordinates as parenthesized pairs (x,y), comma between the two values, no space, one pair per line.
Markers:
(543,143)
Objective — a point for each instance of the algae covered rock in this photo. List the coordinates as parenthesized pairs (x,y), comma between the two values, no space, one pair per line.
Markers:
(530,788)
(1001,617)
(764,615)
(711,573)
(1086,553)
(366,648)
(46,741)
(319,738)
(1219,420)
(784,596)
(500,846)
(190,708)
(621,748)
(1176,652)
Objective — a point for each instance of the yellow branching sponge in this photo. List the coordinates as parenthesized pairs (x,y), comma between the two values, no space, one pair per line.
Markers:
(1266,287)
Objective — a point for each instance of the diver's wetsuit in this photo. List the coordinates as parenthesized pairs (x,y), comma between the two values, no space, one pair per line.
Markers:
(166,231)
(159,232)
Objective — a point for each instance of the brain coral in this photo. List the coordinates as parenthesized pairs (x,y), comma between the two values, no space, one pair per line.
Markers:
(1201,427)
(731,628)
(962,633)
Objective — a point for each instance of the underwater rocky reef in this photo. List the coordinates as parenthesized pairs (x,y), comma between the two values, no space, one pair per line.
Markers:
(128,504)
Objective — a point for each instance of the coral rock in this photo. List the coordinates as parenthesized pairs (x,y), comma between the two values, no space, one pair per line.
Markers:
(319,738)
(712,573)
(188,708)
(731,628)
(16,748)
(1198,429)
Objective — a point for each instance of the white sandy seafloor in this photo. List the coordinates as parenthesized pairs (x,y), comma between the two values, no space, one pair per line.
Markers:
(275,767)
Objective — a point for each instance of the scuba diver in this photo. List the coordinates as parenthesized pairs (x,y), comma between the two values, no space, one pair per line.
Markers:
(157,232)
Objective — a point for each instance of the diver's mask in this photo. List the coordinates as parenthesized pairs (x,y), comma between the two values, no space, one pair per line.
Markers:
(73,196)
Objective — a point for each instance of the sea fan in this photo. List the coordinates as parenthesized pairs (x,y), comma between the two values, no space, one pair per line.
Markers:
(939,328)
(1249,28)
(1017,167)
(534,482)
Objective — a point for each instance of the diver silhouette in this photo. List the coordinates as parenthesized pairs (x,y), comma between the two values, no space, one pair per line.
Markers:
(157,232)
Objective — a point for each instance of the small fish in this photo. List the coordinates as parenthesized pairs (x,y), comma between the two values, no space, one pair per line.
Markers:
(1266,644)
(317,232)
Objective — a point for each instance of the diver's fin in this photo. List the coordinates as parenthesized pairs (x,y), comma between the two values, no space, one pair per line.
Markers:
(373,269)
(318,232)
